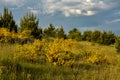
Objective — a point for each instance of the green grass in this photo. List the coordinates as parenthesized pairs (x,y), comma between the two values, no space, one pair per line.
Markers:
(7,50)
(22,70)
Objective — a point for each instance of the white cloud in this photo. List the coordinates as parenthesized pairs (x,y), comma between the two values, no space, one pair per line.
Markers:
(89,13)
(66,7)
(114,21)
(69,12)
(17,3)
(34,11)
(75,7)
(117,13)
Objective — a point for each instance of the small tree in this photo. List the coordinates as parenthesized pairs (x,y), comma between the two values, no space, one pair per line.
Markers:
(75,34)
(117,44)
(60,33)
(95,37)
(0,20)
(50,31)
(30,22)
(87,35)
(7,21)
(108,38)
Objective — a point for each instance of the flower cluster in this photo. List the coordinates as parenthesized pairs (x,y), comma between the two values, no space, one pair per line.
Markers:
(94,57)
(29,52)
(60,51)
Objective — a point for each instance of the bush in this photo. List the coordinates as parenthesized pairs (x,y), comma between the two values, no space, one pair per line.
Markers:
(96,58)
(29,52)
(60,52)
(117,45)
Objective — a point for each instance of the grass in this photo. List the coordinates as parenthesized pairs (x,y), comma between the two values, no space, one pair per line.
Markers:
(22,70)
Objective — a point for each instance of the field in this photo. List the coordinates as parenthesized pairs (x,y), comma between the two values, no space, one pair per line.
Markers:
(80,61)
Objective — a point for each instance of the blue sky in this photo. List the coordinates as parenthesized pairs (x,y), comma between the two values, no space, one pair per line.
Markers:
(82,14)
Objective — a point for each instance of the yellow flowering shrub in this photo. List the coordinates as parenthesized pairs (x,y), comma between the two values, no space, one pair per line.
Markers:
(4,34)
(29,52)
(60,51)
(95,57)
(25,34)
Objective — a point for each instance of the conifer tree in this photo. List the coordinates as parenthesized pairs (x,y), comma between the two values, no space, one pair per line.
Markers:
(7,21)
(109,38)
(30,22)
(75,34)
(0,20)
(117,44)
(50,31)
(95,37)
(60,33)
(87,35)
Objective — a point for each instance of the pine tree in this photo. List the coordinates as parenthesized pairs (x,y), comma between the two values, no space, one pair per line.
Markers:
(60,33)
(0,20)
(95,37)
(117,44)
(50,31)
(30,22)
(7,21)
(87,35)
(75,34)
(109,38)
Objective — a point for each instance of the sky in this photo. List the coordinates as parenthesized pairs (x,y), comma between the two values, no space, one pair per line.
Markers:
(80,14)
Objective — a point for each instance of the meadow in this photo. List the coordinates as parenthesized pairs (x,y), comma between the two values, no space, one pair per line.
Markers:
(59,59)
(29,52)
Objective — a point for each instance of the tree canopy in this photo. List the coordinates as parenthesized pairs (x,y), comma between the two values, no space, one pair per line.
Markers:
(7,21)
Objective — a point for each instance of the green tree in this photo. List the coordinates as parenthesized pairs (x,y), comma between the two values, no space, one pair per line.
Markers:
(87,35)
(60,33)
(108,38)
(38,33)
(75,34)
(30,22)
(7,21)
(95,37)
(50,31)
(117,44)
(0,20)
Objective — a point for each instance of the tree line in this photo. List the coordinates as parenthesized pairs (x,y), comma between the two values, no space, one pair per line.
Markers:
(30,22)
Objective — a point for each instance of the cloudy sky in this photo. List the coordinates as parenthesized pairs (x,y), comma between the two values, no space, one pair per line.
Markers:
(82,14)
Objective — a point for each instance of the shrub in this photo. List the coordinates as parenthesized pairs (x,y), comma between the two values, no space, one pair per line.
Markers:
(1,73)
(4,34)
(97,58)
(60,52)
(29,52)
(117,45)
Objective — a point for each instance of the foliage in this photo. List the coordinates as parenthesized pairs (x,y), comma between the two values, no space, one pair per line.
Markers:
(60,33)
(95,36)
(7,21)
(84,68)
(117,44)
(30,22)
(1,73)
(29,52)
(50,31)
(76,60)
(60,52)
(75,34)
(97,58)
(6,36)
(25,34)
(108,38)
(87,35)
